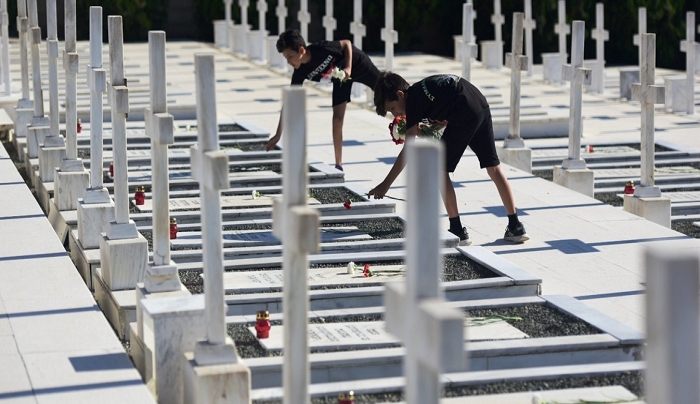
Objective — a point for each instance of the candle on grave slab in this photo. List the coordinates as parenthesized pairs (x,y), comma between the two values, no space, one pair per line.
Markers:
(111,169)
(140,196)
(346,398)
(173,228)
(262,324)
(80,126)
(629,188)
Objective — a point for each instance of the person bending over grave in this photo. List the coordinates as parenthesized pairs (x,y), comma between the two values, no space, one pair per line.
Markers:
(451,109)
(336,61)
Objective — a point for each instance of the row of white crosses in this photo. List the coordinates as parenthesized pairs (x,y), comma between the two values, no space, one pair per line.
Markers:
(691,49)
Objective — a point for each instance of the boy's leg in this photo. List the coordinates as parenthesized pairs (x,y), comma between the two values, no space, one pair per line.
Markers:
(503,187)
(338,118)
(449,198)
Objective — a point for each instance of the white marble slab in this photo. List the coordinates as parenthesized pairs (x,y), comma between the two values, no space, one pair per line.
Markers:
(261,281)
(249,238)
(372,334)
(227,202)
(636,172)
(596,149)
(683,196)
(146,176)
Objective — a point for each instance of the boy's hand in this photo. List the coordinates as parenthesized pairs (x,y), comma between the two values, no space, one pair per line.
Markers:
(379,191)
(272,142)
(347,71)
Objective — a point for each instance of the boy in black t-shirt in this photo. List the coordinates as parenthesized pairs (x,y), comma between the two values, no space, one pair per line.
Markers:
(316,62)
(453,101)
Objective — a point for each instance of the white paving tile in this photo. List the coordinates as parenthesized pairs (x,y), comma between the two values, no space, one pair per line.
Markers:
(15,387)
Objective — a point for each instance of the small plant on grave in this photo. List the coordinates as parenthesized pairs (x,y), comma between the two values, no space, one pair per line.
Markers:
(255,194)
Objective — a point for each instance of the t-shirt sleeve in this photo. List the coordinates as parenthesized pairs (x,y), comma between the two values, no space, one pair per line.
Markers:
(297,77)
(414,107)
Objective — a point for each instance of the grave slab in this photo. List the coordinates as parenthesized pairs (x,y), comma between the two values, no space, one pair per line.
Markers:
(227,202)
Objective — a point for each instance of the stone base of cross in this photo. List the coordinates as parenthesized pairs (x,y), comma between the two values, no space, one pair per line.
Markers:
(37,130)
(579,179)
(123,256)
(70,182)
(492,54)
(516,154)
(93,217)
(654,209)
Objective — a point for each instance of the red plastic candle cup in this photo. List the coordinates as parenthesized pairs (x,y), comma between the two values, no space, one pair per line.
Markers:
(262,324)
(629,188)
(80,126)
(173,228)
(590,148)
(346,398)
(140,196)
(111,170)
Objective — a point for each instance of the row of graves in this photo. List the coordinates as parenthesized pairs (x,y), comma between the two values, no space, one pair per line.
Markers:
(236,276)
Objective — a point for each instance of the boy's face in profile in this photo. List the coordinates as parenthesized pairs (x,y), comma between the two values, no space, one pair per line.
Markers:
(294,57)
(397,107)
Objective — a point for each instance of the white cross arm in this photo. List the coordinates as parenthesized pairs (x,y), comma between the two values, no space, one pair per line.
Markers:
(120,99)
(562,29)
(71,62)
(262,6)
(304,221)
(600,34)
(36,35)
(5,18)
(281,11)
(390,35)
(469,49)
(497,19)
(243,3)
(652,94)
(279,211)
(529,24)
(159,127)
(357,28)
(578,75)
(684,46)
(635,39)
(52,48)
(210,168)
(329,22)
(97,79)
(442,345)
(520,63)
(304,17)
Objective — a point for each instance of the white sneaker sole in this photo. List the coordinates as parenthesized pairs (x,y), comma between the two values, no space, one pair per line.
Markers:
(517,239)
(465,243)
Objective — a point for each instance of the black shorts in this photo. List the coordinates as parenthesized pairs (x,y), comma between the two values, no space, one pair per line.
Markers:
(475,132)
(342,91)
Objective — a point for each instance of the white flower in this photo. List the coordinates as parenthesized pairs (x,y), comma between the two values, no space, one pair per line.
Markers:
(536,399)
(338,74)
(254,194)
(351,267)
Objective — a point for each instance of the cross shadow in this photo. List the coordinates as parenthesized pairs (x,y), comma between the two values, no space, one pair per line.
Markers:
(93,308)
(34,256)
(22,216)
(91,363)
(66,389)
(608,295)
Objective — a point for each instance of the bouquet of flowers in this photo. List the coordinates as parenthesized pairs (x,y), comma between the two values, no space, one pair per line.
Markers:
(397,129)
(428,128)
(339,74)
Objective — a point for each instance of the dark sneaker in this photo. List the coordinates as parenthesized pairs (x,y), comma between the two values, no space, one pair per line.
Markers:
(517,234)
(463,236)
(339,167)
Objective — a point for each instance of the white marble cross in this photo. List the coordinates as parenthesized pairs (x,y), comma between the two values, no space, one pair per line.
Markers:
(262,29)
(432,333)
(329,22)
(97,82)
(578,76)
(601,35)
(562,29)
(4,20)
(162,274)
(243,32)
(642,29)
(357,28)
(498,20)
(304,19)
(298,228)
(691,49)
(23,28)
(227,12)
(469,48)
(517,63)
(673,321)
(389,35)
(281,12)
(35,40)
(529,25)
(210,169)
(471,31)
(648,94)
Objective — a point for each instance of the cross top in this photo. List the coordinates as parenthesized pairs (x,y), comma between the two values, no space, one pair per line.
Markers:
(415,311)
(497,19)
(599,33)
(528,22)
(642,29)
(691,49)
(578,76)
(159,123)
(646,91)
(517,45)
(562,28)
(281,12)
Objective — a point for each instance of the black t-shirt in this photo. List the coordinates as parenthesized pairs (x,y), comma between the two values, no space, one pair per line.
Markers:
(443,97)
(325,56)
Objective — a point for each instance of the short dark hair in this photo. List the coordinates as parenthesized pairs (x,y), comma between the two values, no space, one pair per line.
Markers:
(290,39)
(385,90)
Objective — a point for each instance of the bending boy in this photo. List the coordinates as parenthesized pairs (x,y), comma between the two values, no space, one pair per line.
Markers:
(316,62)
(455,102)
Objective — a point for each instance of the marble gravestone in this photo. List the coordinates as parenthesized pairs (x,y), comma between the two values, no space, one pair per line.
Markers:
(416,313)
(492,51)
(601,35)
(257,40)
(240,32)
(552,62)
(213,373)
(673,339)
(24,110)
(297,226)
(53,150)
(39,126)
(389,35)
(514,151)
(573,172)
(222,28)
(647,200)
(96,208)
(71,179)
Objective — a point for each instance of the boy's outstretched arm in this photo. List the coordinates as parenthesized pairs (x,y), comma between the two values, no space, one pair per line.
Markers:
(276,138)
(346,46)
(380,190)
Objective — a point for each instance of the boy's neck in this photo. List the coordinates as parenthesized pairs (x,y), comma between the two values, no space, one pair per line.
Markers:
(307,57)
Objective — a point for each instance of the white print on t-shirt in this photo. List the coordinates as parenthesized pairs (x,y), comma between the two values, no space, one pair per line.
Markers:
(321,68)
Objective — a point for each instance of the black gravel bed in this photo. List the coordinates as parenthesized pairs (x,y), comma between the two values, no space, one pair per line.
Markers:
(248,146)
(334,195)
(686,227)
(270,167)
(83,153)
(538,321)
(378,229)
(232,128)
(546,174)
(456,268)
(657,148)
(611,198)
(632,381)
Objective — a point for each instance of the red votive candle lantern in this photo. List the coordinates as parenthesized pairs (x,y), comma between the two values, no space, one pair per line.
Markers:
(629,188)
(347,204)
(140,196)
(262,324)
(590,148)
(80,126)
(346,398)
(111,170)
(173,228)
